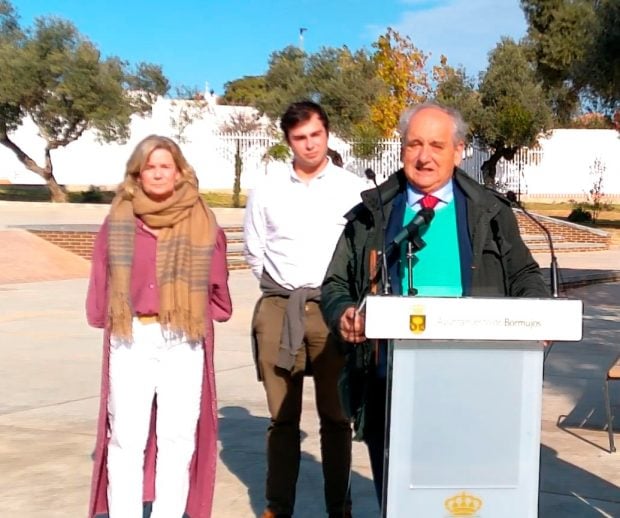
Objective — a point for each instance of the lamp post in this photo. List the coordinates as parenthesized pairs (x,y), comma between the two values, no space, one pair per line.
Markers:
(301,37)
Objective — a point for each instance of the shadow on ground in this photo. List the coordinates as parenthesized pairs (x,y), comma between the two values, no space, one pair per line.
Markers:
(244,456)
(567,490)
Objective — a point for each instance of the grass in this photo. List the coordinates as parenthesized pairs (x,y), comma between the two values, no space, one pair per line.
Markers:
(95,195)
(608,220)
(222,199)
(24,193)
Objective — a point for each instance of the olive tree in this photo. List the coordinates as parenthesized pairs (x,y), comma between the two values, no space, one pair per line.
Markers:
(57,77)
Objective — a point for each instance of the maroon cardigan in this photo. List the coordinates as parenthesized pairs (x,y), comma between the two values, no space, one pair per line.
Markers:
(145,300)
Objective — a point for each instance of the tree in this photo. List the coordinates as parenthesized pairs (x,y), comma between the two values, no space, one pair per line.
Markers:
(246,91)
(602,64)
(346,85)
(344,82)
(575,45)
(363,94)
(188,107)
(559,34)
(239,122)
(592,121)
(455,89)
(9,24)
(285,82)
(400,65)
(513,106)
(55,76)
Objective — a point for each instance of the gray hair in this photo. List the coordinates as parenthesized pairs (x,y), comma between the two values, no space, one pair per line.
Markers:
(460,126)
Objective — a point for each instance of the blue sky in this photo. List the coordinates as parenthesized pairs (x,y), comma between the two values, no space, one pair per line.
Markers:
(215,41)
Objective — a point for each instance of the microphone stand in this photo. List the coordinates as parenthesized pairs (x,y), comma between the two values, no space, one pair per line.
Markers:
(415,244)
(385,281)
(411,291)
(553,268)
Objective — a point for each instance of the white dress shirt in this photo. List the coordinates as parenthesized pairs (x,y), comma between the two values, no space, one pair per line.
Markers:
(445,195)
(291,227)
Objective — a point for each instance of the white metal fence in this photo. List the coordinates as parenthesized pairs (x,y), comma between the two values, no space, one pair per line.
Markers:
(512,174)
(253,150)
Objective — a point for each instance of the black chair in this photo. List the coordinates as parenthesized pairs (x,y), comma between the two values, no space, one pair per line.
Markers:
(613,374)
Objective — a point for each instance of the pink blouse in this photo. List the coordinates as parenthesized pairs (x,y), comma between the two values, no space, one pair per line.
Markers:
(144,291)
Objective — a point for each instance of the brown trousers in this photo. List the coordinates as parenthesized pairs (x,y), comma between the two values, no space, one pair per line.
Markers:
(284,397)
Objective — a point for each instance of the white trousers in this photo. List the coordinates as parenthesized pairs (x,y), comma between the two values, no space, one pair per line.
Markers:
(170,369)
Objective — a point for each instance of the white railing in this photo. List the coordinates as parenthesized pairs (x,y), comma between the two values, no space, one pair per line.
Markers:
(253,149)
(385,160)
(512,174)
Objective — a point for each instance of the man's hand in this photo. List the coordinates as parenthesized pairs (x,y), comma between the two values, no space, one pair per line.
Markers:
(352,326)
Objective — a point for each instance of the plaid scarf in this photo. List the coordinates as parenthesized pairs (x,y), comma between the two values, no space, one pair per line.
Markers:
(187,232)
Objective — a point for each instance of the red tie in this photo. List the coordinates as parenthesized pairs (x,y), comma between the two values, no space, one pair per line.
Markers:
(429,201)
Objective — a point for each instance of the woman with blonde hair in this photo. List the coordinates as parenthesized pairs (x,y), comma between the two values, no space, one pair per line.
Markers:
(159,279)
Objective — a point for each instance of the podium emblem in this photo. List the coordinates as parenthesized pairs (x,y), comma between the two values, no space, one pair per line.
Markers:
(463,504)
(417,320)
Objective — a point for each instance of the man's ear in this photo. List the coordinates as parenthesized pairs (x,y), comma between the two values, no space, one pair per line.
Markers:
(458,153)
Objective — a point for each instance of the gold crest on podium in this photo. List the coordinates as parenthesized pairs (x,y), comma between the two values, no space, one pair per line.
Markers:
(417,320)
(463,504)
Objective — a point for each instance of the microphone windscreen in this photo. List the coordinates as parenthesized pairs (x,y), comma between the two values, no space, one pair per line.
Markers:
(370,174)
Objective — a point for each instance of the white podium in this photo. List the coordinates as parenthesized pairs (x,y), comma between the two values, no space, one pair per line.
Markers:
(465,399)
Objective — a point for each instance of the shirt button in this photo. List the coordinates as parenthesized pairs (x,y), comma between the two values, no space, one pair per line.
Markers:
(151,286)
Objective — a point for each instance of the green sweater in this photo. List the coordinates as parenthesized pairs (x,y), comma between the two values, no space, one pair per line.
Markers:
(437,267)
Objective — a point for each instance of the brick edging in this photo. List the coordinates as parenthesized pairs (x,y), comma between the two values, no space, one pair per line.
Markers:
(80,239)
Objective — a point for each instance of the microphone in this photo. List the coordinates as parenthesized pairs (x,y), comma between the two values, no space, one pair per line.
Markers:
(411,231)
(370,174)
(554,274)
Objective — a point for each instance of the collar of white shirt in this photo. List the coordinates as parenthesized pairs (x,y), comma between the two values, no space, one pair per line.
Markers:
(295,177)
(445,195)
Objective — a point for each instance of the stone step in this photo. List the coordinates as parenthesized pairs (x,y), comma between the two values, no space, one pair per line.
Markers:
(566,246)
(234,255)
(234,249)
(533,238)
(237,263)
(234,234)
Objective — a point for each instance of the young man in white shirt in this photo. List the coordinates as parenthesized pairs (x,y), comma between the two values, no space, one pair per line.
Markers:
(292,224)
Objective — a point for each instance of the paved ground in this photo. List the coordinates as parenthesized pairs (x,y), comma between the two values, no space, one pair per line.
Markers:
(49,384)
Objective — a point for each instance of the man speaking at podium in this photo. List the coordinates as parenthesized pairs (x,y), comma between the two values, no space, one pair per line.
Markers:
(472,248)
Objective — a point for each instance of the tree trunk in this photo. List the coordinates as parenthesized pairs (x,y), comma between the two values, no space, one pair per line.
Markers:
(57,193)
(237,184)
(489,167)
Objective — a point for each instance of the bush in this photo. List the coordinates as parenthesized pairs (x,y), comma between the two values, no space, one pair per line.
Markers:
(279,152)
(94,194)
(580,215)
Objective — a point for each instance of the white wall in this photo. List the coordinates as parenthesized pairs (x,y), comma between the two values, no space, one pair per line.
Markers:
(561,168)
(88,162)
(558,170)
(568,158)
